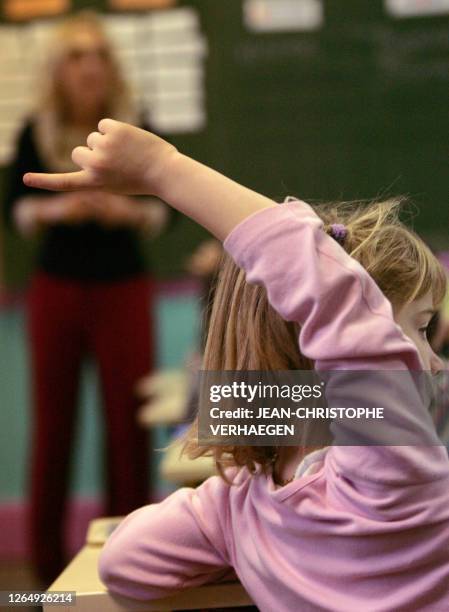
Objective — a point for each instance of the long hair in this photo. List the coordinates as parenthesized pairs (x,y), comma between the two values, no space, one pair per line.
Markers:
(51,109)
(245,333)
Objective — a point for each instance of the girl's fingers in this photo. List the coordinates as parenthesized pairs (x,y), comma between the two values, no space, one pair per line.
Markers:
(81,156)
(93,140)
(106,125)
(71,181)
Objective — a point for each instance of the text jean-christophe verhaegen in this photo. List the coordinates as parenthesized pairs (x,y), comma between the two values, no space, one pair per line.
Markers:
(239,420)
(316,408)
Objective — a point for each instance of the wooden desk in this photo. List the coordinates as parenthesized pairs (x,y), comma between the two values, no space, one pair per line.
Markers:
(81,576)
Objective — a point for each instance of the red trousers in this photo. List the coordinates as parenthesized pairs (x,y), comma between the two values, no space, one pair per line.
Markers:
(69,320)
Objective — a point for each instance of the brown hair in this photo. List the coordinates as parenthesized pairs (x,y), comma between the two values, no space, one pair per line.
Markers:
(245,333)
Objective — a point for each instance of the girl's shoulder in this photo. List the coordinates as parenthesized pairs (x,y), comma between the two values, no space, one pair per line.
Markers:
(227,489)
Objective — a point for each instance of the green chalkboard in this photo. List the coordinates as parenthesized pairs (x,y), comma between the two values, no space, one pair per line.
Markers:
(356,109)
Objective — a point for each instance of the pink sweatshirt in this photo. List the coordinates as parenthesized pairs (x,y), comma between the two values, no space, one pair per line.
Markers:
(370,529)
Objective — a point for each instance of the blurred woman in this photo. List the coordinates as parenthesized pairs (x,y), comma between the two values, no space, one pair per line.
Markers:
(90,293)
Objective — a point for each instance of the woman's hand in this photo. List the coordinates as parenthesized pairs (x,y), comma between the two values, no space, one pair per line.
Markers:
(111,210)
(119,158)
(68,208)
(32,214)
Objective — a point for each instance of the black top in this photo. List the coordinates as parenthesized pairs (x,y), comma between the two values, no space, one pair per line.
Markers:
(84,252)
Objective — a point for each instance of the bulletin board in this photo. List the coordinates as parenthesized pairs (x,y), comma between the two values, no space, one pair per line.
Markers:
(346,100)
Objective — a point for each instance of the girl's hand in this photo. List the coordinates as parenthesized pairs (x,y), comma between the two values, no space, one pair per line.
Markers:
(127,160)
(118,158)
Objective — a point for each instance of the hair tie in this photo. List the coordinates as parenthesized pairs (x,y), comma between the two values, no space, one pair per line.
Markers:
(339,232)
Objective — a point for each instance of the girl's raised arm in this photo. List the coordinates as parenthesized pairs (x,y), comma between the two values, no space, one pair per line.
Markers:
(348,331)
(124,159)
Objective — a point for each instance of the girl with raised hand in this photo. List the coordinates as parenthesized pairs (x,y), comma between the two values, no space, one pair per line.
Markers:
(339,528)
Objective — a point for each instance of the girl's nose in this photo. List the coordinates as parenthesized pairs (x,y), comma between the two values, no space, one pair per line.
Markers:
(436,363)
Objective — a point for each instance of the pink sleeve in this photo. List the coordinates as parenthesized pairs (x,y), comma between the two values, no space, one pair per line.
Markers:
(162,548)
(346,324)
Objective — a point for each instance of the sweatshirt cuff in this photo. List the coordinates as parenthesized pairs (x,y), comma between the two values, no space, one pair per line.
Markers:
(252,230)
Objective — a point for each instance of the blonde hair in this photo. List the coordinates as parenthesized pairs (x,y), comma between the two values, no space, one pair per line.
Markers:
(245,333)
(52,123)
